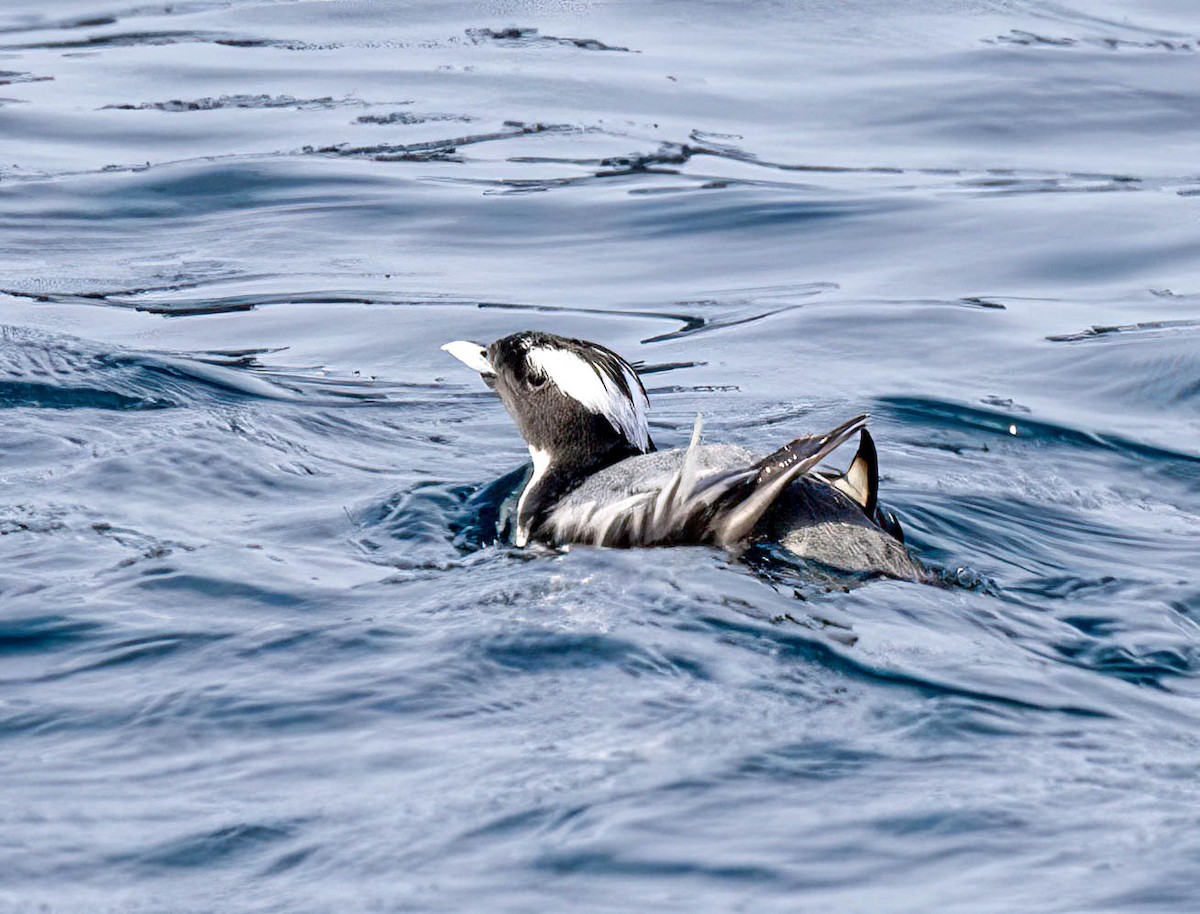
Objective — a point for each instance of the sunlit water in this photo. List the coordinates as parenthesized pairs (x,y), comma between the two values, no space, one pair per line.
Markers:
(251,658)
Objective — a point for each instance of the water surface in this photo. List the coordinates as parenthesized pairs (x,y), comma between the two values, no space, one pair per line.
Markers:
(250,658)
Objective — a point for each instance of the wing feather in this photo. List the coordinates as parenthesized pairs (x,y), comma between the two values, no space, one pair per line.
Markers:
(721,507)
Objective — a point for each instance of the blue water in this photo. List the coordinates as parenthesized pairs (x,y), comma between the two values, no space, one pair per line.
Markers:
(251,658)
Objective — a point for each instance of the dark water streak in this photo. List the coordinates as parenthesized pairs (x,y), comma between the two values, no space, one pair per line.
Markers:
(259,649)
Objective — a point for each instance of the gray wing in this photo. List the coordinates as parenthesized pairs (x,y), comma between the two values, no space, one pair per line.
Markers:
(702,495)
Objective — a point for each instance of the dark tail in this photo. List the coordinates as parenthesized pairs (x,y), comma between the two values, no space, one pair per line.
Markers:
(861,480)
(861,483)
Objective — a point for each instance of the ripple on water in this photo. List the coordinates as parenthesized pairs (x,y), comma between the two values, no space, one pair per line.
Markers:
(44,634)
(224,846)
(263,647)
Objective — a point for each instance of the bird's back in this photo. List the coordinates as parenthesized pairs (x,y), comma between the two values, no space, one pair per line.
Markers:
(649,473)
(811,519)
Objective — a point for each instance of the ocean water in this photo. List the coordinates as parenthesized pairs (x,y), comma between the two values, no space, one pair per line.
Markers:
(254,655)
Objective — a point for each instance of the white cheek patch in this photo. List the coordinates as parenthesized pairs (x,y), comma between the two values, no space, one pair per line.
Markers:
(593,385)
(470,354)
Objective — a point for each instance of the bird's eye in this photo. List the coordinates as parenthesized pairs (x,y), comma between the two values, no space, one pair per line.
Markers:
(536,380)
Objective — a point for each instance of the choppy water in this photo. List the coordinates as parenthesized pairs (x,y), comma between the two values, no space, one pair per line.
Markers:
(248,659)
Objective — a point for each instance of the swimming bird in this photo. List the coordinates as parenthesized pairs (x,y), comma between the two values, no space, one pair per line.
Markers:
(598,479)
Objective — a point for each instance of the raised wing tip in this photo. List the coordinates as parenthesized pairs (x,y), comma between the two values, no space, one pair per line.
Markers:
(857,422)
(777,471)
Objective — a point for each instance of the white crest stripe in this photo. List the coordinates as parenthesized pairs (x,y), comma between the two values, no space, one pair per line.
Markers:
(597,390)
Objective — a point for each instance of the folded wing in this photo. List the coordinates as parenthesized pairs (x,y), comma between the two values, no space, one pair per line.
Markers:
(720,507)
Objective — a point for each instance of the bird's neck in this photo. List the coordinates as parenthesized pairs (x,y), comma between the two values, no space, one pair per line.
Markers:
(554,475)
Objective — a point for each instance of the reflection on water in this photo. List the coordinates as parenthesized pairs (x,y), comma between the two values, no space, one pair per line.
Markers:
(260,650)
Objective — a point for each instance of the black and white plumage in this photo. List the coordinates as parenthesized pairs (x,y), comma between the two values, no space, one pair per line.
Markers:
(579,406)
(597,478)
